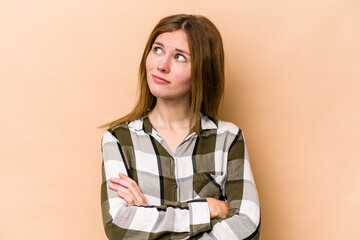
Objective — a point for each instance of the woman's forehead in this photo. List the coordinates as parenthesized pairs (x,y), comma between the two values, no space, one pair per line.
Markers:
(173,40)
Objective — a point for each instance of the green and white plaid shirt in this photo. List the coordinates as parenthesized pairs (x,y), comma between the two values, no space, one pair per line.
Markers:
(175,185)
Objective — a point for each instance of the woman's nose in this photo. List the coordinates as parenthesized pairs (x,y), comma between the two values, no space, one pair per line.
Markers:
(164,65)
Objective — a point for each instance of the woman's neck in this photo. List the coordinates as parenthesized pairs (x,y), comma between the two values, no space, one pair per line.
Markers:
(171,120)
(171,115)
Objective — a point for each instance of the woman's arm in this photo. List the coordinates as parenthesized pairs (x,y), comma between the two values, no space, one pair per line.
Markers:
(242,197)
(170,221)
(128,189)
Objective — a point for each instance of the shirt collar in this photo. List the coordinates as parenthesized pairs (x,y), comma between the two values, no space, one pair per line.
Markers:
(207,123)
(144,124)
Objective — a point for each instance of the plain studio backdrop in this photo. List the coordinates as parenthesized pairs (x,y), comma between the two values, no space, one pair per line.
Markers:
(292,86)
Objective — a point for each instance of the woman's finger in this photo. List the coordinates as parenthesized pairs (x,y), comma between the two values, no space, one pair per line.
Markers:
(128,190)
(134,188)
(115,180)
(124,193)
(127,195)
(113,186)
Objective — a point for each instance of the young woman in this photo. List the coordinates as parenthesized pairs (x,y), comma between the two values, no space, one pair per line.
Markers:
(170,169)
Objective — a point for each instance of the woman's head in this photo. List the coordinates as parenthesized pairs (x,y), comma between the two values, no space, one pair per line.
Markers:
(207,62)
(207,67)
(168,67)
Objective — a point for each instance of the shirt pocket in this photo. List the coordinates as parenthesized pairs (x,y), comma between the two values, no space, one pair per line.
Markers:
(207,185)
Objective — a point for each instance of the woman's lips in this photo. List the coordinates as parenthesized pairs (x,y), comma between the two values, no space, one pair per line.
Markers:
(160,80)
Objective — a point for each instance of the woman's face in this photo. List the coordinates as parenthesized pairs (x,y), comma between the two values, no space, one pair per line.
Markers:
(168,66)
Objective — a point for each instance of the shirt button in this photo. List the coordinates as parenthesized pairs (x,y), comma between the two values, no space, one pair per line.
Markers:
(175,186)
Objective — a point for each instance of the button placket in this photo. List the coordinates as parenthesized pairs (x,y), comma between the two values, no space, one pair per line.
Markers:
(173,176)
(176,186)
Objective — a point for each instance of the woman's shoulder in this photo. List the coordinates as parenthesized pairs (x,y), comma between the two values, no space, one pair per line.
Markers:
(117,134)
(123,129)
(220,126)
(225,126)
(134,124)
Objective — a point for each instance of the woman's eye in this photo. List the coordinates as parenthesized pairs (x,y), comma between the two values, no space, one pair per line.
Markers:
(180,58)
(157,50)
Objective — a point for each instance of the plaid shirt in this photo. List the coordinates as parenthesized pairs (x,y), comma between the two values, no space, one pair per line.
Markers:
(176,185)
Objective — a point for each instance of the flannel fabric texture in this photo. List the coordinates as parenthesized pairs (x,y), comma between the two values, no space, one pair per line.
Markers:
(176,185)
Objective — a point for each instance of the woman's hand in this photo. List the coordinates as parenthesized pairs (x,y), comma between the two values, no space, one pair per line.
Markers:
(127,189)
(218,209)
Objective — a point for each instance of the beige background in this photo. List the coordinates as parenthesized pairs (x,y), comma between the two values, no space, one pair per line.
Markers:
(293,81)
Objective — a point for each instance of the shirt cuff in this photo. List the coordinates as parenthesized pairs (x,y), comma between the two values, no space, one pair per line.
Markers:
(199,216)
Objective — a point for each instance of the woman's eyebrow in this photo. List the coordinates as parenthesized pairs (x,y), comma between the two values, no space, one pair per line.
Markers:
(159,43)
(177,49)
(182,51)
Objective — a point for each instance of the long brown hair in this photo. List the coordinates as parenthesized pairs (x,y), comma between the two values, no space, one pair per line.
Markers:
(207,68)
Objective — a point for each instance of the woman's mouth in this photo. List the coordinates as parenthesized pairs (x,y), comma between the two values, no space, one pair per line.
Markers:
(160,80)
